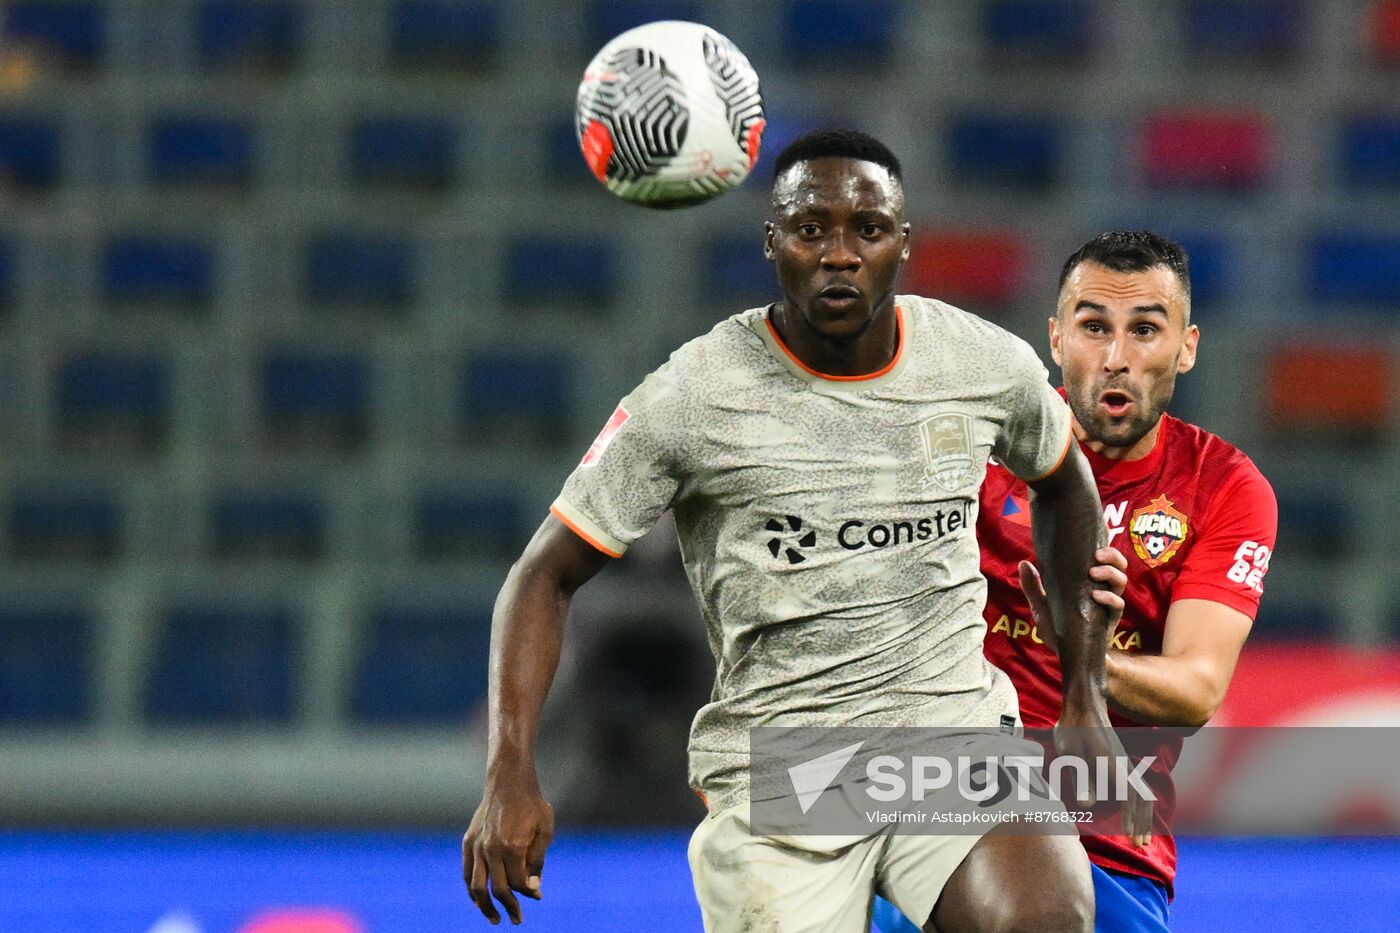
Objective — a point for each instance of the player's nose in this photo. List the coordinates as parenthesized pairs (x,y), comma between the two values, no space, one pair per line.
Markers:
(838,253)
(1115,358)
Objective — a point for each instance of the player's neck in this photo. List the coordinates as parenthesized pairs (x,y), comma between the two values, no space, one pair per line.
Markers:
(868,352)
(1136,451)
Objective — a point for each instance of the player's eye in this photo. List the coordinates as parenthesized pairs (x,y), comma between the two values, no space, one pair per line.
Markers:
(1093,327)
(870,231)
(808,229)
(1145,330)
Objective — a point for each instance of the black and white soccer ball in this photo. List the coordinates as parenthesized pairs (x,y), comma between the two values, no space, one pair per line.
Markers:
(669,114)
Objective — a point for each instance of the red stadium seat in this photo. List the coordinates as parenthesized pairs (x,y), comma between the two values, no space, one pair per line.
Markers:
(1206,149)
(957,266)
(1385,31)
(1349,388)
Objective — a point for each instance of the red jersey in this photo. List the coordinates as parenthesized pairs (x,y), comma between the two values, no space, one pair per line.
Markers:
(1196,520)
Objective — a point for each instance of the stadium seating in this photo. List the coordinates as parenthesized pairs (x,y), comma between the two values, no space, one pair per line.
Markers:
(823,33)
(1044,31)
(444,34)
(47,656)
(72,33)
(466,526)
(991,149)
(577,271)
(353,271)
(218,665)
(1370,151)
(517,393)
(1385,31)
(9,285)
(1206,149)
(1234,32)
(55,522)
(983,269)
(421,666)
(608,18)
(736,271)
(315,399)
(30,153)
(1355,269)
(401,152)
(1327,388)
(267,525)
(145,270)
(249,34)
(107,397)
(200,150)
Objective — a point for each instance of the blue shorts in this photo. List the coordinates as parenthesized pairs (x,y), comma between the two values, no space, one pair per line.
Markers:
(1124,904)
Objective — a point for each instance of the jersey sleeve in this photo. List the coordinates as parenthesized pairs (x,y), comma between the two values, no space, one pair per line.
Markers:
(1227,564)
(1035,435)
(631,472)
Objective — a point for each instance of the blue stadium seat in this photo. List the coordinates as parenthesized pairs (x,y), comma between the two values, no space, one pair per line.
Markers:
(1314,520)
(421,666)
(167,271)
(204,150)
(1050,30)
(317,398)
(1293,620)
(65,523)
(265,34)
(997,150)
(736,273)
(103,393)
(403,151)
(522,391)
(608,18)
(46,666)
(354,270)
(223,664)
(1212,259)
(1258,30)
(1370,151)
(444,33)
(823,33)
(30,152)
(451,525)
(72,33)
(567,270)
(285,526)
(562,156)
(1355,269)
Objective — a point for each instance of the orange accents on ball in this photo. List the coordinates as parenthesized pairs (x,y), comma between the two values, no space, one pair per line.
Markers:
(597,144)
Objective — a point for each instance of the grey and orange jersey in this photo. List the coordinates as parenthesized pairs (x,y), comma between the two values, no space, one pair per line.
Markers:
(826,524)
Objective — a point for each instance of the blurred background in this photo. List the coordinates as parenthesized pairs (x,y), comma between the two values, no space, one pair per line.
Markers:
(307,308)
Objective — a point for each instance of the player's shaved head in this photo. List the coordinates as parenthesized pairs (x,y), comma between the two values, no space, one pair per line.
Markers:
(833,144)
(1134,251)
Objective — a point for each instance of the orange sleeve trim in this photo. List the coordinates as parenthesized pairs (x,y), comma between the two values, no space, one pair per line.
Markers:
(1063,454)
(554,510)
(894,361)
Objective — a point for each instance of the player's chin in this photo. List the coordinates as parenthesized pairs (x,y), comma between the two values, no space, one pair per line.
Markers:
(844,323)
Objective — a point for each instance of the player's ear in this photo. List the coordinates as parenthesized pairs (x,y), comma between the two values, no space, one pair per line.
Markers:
(769,232)
(904,242)
(1055,340)
(1187,360)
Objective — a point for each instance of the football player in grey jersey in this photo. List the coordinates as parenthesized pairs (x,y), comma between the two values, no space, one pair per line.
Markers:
(822,458)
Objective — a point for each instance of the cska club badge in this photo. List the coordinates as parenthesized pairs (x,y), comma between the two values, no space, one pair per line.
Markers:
(1157,530)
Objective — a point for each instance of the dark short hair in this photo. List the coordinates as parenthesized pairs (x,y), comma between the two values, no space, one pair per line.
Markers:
(836,144)
(1132,251)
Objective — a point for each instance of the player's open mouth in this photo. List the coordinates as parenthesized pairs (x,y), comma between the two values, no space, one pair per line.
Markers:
(840,295)
(1116,404)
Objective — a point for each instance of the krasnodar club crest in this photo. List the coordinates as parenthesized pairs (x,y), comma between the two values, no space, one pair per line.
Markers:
(948,450)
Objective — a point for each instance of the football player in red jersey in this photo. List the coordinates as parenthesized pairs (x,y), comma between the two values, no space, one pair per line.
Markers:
(1194,521)
(1193,516)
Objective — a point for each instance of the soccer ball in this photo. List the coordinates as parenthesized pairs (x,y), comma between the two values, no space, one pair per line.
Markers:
(669,114)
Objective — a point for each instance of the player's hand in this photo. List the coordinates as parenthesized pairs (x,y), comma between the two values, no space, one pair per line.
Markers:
(1110,578)
(1084,732)
(503,850)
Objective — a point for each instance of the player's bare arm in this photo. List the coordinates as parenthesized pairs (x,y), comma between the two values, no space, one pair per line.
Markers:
(1186,683)
(503,850)
(1067,526)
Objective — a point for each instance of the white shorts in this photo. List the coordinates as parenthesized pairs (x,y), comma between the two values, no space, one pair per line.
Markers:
(814,884)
